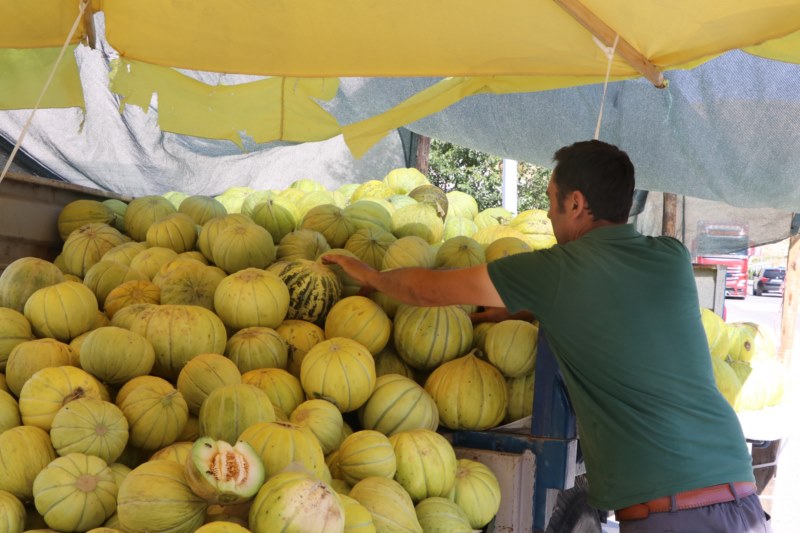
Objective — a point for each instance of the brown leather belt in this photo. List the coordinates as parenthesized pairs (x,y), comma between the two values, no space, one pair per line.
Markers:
(691,499)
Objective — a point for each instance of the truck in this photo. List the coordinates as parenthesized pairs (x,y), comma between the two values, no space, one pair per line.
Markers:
(725,244)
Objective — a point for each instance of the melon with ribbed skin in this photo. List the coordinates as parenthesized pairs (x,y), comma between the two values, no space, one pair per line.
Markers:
(390,505)
(511,347)
(212,228)
(300,337)
(202,375)
(222,473)
(360,319)
(370,244)
(86,246)
(505,246)
(476,491)
(440,515)
(233,198)
(295,502)
(284,390)
(29,357)
(313,289)
(426,337)
(455,226)
(156,497)
(12,513)
(419,220)
(297,445)
(302,244)
(372,189)
(25,276)
(339,370)
(26,451)
(716,333)
(387,361)
(252,297)
(178,333)
(131,293)
(410,251)
(61,311)
(323,419)
(364,454)
(14,329)
(532,222)
(9,412)
(365,214)
(313,199)
(520,397)
(229,410)
(426,463)
(331,222)
(75,493)
(200,209)
(486,236)
(155,410)
(255,199)
(150,261)
(222,526)
(257,347)
(277,216)
(459,252)
(142,212)
(177,451)
(461,204)
(357,519)
(51,388)
(397,404)
(452,386)
(185,281)
(404,180)
(125,252)
(115,355)
(479,332)
(493,216)
(176,232)
(105,276)
(91,426)
(80,213)
(243,246)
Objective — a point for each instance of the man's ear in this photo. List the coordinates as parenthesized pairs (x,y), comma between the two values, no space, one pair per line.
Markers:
(577,202)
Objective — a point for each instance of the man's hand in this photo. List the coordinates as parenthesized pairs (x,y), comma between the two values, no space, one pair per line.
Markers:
(359,271)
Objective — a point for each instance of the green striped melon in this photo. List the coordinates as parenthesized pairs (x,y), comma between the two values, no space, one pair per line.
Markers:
(426,463)
(459,252)
(369,214)
(370,244)
(405,180)
(176,232)
(300,337)
(257,347)
(212,228)
(12,513)
(461,204)
(185,281)
(80,213)
(420,220)
(176,198)
(24,276)
(150,261)
(356,517)
(142,212)
(520,397)
(252,297)
(116,355)
(51,388)
(200,209)
(455,226)
(131,293)
(440,514)
(366,453)
(86,246)
(397,404)
(125,252)
(511,347)
(254,199)
(277,216)
(105,276)
(323,419)
(505,246)
(372,189)
(9,411)
(360,319)
(62,311)
(493,216)
(388,502)
(476,491)
(204,374)
(486,236)
(297,445)
(284,390)
(409,251)
(452,386)
(28,357)
(155,410)
(339,370)
(26,451)
(314,199)
(331,222)
(14,329)
(426,337)
(242,246)
(230,409)
(233,198)
(178,333)
(302,244)
(387,361)
(313,289)
(91,426)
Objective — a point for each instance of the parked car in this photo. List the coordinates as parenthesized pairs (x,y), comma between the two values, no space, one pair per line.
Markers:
(770,279)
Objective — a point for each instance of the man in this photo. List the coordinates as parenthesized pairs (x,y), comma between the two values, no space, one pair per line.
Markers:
(662,446)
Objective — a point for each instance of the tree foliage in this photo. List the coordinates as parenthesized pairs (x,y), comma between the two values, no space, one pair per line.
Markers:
(456,168)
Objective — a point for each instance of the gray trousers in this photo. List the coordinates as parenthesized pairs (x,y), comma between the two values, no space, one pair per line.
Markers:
(744,515)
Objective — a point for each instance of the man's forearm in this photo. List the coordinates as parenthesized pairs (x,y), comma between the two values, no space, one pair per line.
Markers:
(425,287)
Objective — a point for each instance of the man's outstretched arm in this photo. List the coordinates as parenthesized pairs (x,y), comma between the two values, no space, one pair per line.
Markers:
(422,286)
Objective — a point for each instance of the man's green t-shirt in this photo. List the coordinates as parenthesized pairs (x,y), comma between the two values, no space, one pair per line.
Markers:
(621,313)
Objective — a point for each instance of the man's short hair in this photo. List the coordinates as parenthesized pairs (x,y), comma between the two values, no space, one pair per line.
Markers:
(602,172)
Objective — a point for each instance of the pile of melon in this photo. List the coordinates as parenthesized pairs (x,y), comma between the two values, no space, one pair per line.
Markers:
(189,363)
(745,362)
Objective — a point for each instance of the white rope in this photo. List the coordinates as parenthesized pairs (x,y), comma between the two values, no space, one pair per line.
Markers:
(83,4)
(610,53)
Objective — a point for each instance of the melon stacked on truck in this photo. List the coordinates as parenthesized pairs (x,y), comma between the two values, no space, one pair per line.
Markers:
(191,360)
